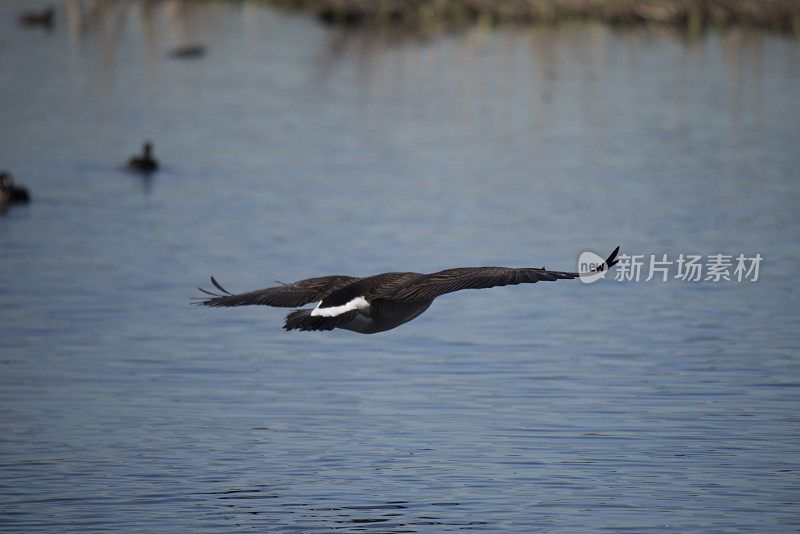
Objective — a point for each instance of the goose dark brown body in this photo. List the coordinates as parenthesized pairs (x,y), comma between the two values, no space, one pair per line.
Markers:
(380,302)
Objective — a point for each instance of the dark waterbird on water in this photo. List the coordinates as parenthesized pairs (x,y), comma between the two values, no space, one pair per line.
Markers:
(33,18)
(192,51)
(380,302)
(144,163)
(10,193)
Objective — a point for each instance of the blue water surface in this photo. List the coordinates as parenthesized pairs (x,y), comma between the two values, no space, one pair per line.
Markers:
(293,150)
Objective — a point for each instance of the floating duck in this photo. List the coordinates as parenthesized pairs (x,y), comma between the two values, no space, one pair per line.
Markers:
(380,302)
(192,51)
(44,18)
(144,163)
(10,193)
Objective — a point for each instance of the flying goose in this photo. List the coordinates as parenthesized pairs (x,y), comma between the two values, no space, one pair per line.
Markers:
(146,162)
(380,302)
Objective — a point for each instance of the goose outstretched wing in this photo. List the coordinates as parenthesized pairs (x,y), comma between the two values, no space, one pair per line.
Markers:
(281,296)
(432,285)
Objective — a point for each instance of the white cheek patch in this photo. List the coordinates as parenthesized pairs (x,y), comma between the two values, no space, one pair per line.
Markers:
(358,303)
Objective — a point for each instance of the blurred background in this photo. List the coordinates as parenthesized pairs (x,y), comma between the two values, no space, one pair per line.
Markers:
(301,139)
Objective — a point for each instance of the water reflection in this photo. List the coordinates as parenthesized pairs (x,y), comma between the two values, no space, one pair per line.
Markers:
(531,73)
(186,23)
(181,26)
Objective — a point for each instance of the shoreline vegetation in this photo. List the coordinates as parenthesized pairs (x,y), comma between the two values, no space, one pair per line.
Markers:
(694,16)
